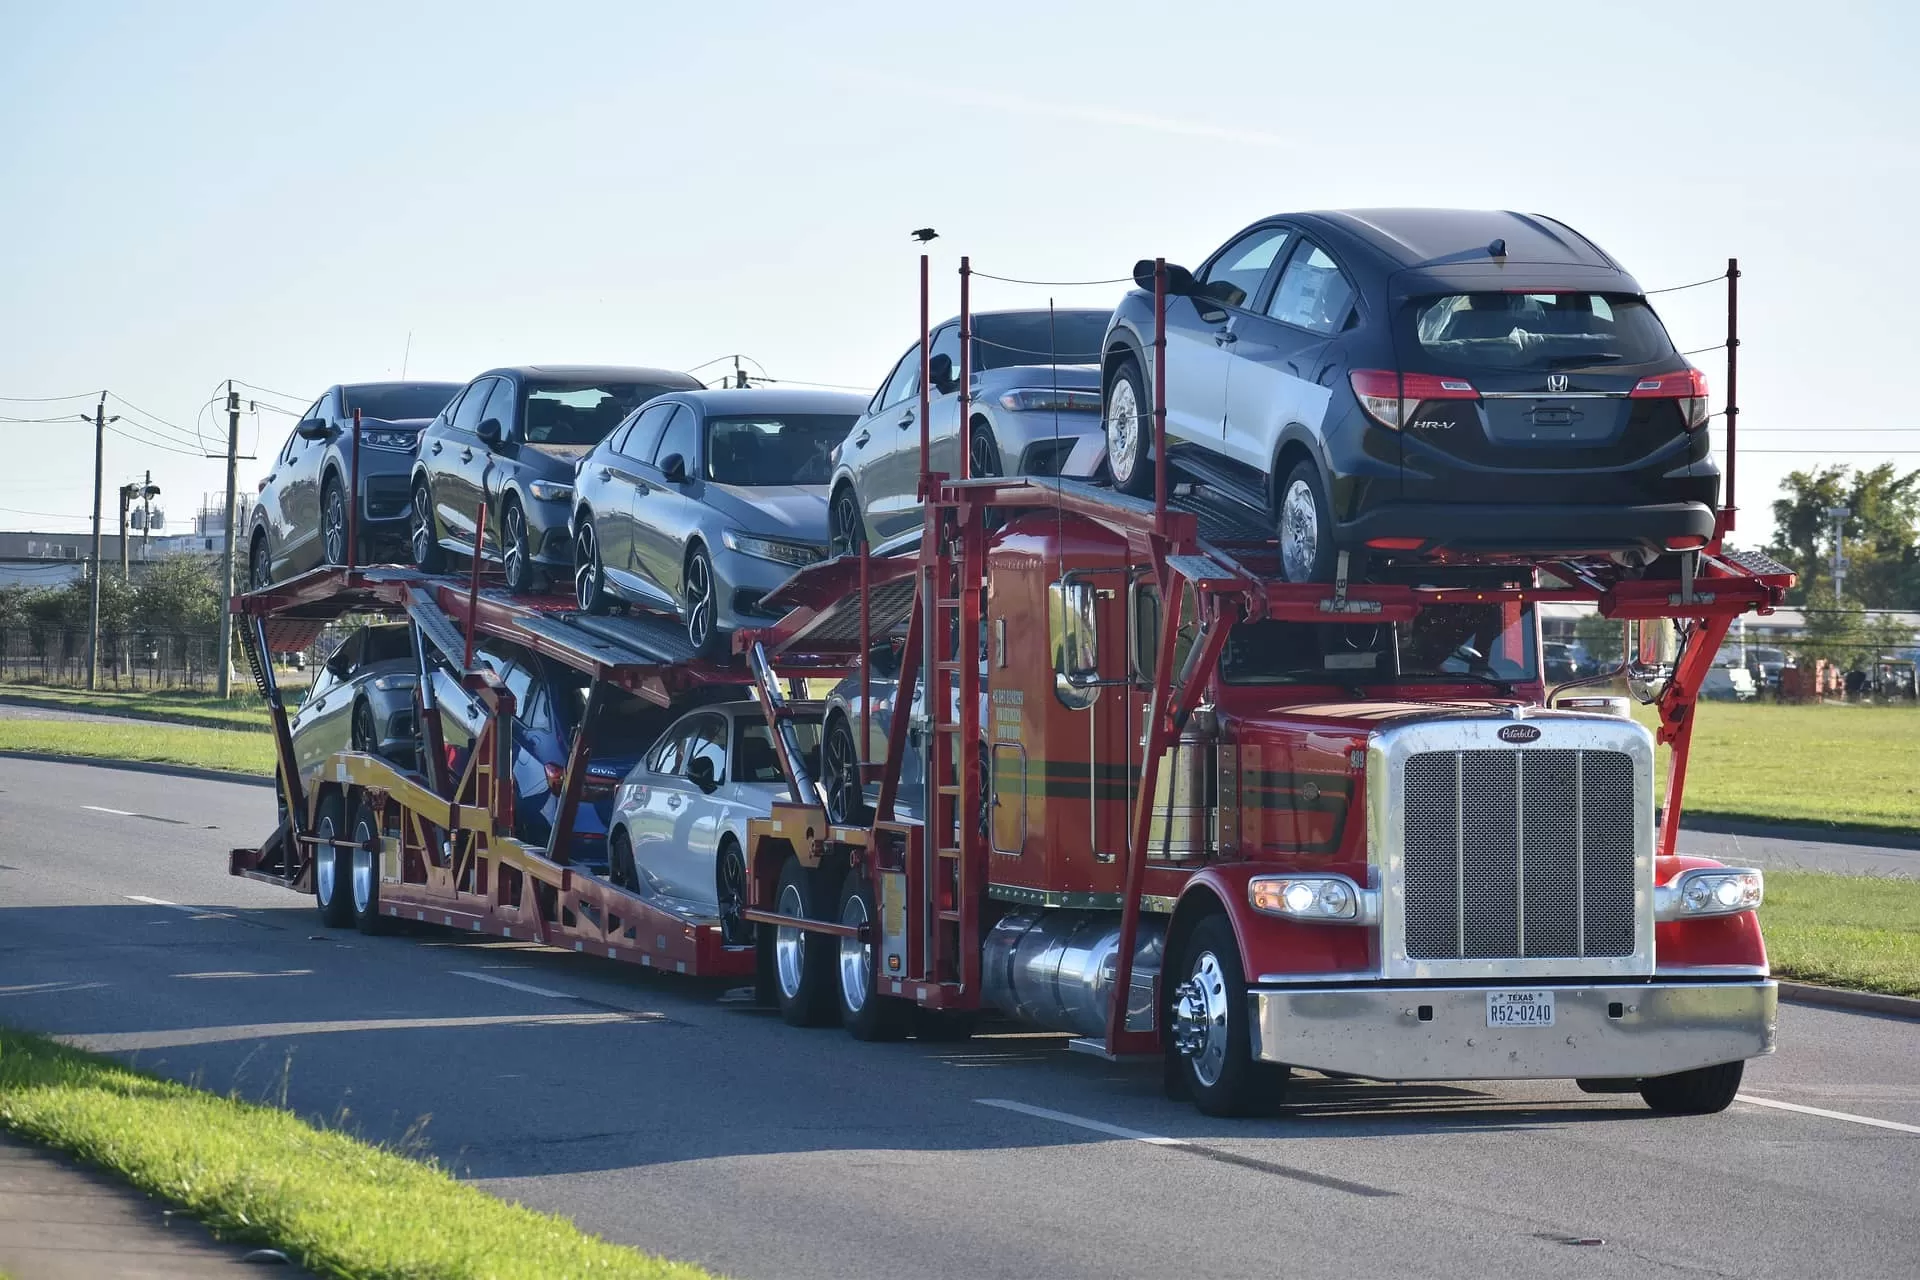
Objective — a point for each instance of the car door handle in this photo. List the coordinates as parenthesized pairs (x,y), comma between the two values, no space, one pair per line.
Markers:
(673,802)
(859,441)
(437,446)
(466,455)
(1225,338)
(606,473)
(907,421)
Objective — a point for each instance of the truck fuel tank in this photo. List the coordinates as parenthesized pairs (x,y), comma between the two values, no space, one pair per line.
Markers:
(1056,969)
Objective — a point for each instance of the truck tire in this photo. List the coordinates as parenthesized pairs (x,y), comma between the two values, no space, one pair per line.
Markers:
(864,1012)
(1700,1092)
(805,965)
(332,867)
(1209,1039)
(366,871)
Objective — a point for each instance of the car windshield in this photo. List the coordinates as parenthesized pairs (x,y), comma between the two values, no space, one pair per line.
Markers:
(1038,337)
(755,760)
(765,449)
(398,401)
(1526,332)
(1487,643)
(581,413)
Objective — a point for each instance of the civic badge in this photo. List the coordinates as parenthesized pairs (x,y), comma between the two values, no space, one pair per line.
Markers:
(1556,382)
(1519,733)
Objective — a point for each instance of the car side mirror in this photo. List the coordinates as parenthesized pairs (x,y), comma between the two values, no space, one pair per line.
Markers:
(1073,632)
(940,373)
(489,431)
(1180,281)
(314,429)
(701,773)
(674,468)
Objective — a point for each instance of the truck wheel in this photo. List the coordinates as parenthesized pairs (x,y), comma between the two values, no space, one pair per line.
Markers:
(366,871)
(864,1012)
(805,973)
(1208,1033)
(1306,527)
(1700,1092)
(1127,416)
(332,867)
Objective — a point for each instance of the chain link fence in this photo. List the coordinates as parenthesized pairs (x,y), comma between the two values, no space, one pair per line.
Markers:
(185,658)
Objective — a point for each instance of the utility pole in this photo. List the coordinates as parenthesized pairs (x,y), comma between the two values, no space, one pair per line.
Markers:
(126,499)
(147,494)
(225,664)
(1839,516)
(100,421)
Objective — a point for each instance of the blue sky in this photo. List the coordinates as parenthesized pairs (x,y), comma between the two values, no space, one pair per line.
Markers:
(283,194)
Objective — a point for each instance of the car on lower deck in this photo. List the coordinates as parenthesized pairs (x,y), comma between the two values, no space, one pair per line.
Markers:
(510,443)
(361,699)
(1420,384)
(300,520)
(679,824)
(704,501)
(1034,410)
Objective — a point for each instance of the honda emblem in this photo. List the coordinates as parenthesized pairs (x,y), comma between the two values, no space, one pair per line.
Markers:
(1556,382)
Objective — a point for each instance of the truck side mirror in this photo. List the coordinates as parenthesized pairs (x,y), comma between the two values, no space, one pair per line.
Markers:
(1649,661)
(1073,632)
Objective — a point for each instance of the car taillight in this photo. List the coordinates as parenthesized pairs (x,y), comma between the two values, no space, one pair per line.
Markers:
(556,777)
(1687,386)
(1389,397)
(591,786)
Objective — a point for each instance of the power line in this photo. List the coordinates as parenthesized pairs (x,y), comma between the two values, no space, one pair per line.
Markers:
(78,395)
(153,442)
(284,395)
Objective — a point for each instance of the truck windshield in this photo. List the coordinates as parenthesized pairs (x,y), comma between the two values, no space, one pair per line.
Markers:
(1469,643)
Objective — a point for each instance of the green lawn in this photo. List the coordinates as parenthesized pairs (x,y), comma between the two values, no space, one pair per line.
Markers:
(173,706)
(1833,765)
(235,750)
(1844,931)
(259,1175)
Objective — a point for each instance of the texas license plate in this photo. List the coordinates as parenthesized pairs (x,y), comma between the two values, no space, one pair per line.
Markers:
(1519,1008)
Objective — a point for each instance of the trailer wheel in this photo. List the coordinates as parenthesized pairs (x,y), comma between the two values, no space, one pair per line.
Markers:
(332,866)
(864,1012)
(804,964)
(1208,1034)
(366,870)
(1700,1092)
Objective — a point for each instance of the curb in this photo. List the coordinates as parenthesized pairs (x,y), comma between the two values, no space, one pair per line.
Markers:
(1858,1001)
(1815,832)
(144,766)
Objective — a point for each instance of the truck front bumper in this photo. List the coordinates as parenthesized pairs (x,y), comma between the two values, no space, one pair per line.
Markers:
(1615,1030)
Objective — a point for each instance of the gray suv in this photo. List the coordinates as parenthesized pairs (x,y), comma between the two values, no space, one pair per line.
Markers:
(512,439)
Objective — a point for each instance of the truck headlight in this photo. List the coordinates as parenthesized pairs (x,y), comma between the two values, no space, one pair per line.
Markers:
(550,491)
(1047,399)
(795,553)
(1709,891)
(1329,899)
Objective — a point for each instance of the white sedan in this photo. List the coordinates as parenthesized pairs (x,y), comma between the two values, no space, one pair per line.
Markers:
(680,819)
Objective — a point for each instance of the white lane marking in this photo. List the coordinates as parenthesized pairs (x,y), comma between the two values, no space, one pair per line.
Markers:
(512,985)
(118,813)
(1081,1122)
(1822,1112)
(202,912)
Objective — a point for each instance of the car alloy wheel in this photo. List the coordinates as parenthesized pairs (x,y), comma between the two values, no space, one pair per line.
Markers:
(516,554)
(589,578)
(1124,426)
(262,564)
(1299,532)
(983,453)
(698,599)
(427,556)
(730,876)
(333,524)
(849,529)
(840,759)
(365,739)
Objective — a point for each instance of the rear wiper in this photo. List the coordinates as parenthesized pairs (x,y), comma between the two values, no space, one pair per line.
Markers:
(1596,357)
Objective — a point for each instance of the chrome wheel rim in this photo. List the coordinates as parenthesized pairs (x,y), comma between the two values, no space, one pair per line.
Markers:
(323,855)
(422,524)
(789,945)
(336,528)
(1123,429)
(1299,531)
(856,958)
(515,559)
(699,600)
(1200,1019)
(362,869)
(586,573)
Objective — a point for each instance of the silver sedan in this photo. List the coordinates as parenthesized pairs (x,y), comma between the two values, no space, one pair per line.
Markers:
(702,502)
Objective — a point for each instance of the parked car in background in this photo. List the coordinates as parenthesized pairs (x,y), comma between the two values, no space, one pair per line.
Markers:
(1562,661)
(1034,405)
(1419,382)
(704,501)
(1729,684)
(300,520)
(679,824)
(512,439)
(361,699)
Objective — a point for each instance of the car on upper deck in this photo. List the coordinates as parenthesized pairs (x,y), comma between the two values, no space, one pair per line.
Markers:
(1419,383)
(300,520)
(510,442)
(702,502)
(1034,406)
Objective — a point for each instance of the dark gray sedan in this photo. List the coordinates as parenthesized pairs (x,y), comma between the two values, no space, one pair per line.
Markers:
(704,501)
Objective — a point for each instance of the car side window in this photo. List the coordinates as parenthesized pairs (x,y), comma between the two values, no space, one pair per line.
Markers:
(647,429)
(467,416)
(617,442)
(1235,276)
(664,758)
(291,449)
(537,712)
(682,436)
(904,380)
(1313,293)
(500,406)
(452,406)
(706,740)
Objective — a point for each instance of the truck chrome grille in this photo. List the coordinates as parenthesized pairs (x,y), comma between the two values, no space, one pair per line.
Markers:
(1519,854)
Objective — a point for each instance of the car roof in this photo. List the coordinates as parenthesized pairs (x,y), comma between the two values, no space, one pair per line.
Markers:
(770,400)
(588,372)
(1442,237)
(401,382)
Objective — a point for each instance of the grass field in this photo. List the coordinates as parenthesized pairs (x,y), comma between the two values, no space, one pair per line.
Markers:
(259,1175)
(171,706)
(1827,765)
(1844,931)
(236,750)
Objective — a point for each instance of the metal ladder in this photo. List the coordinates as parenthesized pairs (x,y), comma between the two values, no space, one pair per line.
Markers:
(952,587)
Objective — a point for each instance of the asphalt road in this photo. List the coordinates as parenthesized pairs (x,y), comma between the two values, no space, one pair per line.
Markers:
(659,1112)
